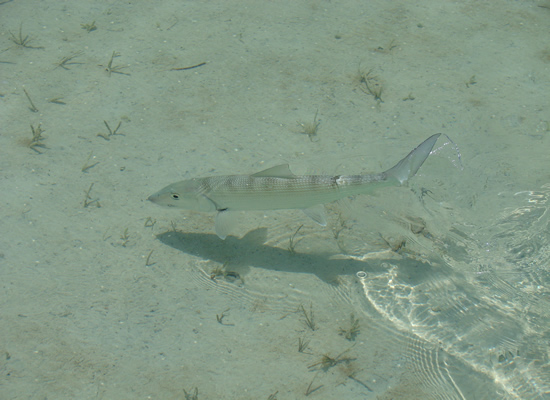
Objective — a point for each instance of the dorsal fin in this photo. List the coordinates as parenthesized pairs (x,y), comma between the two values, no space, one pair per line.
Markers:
(279,171)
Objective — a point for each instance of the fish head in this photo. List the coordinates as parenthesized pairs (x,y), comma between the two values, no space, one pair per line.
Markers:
(185,194)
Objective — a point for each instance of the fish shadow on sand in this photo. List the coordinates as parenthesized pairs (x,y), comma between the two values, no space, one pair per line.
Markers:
(251,251)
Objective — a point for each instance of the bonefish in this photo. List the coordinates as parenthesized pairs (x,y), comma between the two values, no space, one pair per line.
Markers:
(278,188)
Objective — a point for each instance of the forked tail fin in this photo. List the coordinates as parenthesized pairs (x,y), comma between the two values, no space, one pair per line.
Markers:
(407,167)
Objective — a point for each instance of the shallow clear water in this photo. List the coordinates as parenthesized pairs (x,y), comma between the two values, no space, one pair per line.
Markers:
(443,281)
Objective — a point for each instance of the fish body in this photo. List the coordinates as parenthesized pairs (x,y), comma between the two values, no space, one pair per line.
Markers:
(278,188)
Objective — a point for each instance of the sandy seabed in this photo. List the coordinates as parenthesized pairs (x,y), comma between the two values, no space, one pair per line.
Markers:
(104,295)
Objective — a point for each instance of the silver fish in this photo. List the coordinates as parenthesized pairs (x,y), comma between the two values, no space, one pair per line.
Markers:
(278,188)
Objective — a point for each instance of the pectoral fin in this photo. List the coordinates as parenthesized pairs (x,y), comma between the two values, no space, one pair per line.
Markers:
(316,213)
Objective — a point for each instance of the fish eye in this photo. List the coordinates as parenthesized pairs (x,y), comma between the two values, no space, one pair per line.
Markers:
(175,196)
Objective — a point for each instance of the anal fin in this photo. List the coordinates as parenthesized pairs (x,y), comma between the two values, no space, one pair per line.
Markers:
(316,213)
